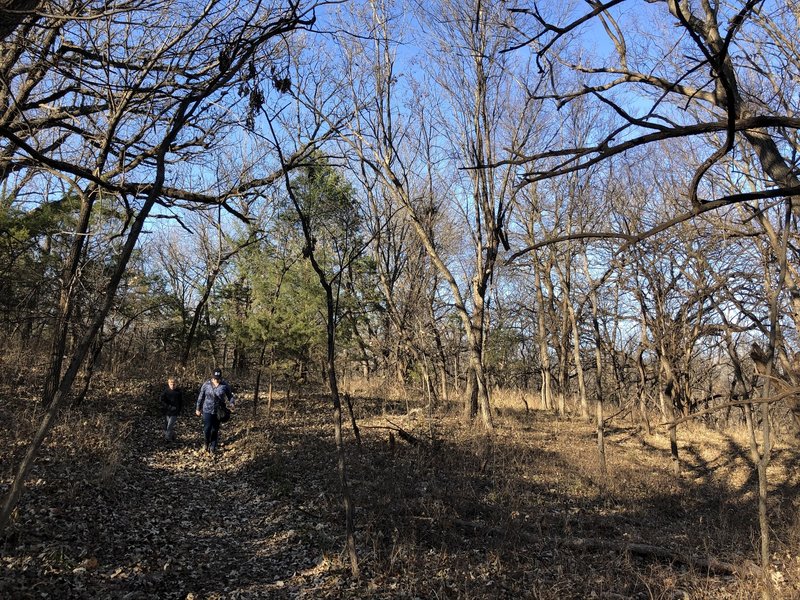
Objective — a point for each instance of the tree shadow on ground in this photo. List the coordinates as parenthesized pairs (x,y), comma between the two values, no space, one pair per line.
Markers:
(457,515)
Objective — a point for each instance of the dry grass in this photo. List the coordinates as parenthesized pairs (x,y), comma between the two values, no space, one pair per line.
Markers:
(524,513)
(504,513)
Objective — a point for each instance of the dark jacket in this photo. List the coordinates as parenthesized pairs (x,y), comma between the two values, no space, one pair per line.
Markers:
(210,397)
(172,401)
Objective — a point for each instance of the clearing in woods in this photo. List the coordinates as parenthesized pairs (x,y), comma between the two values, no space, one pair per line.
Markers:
(114,511)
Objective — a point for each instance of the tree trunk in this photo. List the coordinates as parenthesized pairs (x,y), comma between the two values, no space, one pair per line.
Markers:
(598,364)
(337,426)
(269,393)
(330,368)
(198,311)
(353,423)
(439,364)
(563,344)
(257,386)
(66,304)
(673,448)
(94,354)
(476,339)
(544,356)
(670,389)
(640,366)
(471,395)
(642,391)
(55,404)
(601,448)
(441,373)
(576,353)
(601,444)
(14,12)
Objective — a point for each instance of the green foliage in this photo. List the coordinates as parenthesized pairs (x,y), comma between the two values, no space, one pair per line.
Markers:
(505,358)
(32,248)
(331,208)
(274,299)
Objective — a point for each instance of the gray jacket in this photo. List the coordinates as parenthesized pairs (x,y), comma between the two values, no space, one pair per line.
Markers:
(210,397)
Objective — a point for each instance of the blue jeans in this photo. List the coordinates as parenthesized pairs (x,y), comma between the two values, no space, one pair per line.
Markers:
(210,430)
(169,431)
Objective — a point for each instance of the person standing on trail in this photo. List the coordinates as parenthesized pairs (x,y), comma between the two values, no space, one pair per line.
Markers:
(172,405)
(214,393)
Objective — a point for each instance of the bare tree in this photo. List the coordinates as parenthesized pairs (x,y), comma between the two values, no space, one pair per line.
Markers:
(146,94)
(393,148)
(328,220)
(708,81)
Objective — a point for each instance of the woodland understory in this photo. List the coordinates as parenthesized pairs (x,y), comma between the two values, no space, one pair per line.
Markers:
(521,281)
(441,509)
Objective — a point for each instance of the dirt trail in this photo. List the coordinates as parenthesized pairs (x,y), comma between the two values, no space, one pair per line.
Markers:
(171,522)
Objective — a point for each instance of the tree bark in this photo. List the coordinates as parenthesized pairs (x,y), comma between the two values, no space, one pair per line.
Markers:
(13,13)
(544,355)
(198,311)
(54,406)
(471,394)
(69,280)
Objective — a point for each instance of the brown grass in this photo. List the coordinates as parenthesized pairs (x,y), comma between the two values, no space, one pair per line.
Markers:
(524,513)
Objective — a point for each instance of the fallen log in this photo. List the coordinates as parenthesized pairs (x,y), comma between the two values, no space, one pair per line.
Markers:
(710,565)
(404,435)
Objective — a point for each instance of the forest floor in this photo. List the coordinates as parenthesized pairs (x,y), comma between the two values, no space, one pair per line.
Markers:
(112,510)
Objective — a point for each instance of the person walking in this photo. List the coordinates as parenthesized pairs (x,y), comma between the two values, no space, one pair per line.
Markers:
(214,393)
(172,406)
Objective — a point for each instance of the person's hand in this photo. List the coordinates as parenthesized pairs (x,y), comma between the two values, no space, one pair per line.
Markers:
(197,412)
